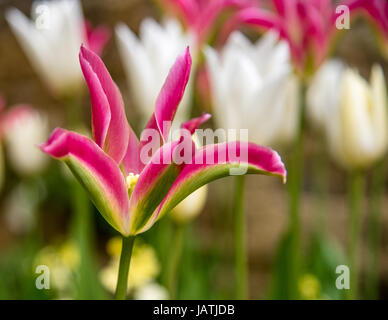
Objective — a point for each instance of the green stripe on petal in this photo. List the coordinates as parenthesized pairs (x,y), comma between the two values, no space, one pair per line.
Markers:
(97,172)
(258,160)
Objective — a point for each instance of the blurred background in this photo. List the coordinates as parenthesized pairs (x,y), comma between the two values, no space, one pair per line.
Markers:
(37,225)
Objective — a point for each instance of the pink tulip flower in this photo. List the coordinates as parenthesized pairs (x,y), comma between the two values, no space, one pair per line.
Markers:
(200,16)
(96,38)
(377,11)
(307,25)
(129,192)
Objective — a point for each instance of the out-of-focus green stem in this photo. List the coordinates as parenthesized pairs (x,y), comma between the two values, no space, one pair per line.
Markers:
(374,228)
(241,261)
(295,183)
(174,262)
(73,110)
(125,261)
(356,194)
(321,169)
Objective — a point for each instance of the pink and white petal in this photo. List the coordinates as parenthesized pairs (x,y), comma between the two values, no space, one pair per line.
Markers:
(216,161)
(109,122)
(96,171)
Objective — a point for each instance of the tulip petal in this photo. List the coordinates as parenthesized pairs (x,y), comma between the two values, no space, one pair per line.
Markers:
(227,156)
(110,126)
(97,38)
(96,171)
(171,94)
(188,10)
(193,124)
(131,162)
(258,18)
(154,182)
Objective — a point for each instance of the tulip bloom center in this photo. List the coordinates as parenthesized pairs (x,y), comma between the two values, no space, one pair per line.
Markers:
(131,181)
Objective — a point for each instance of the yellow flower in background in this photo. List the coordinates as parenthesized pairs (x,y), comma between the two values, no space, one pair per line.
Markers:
(113,247)
(61,260)
(309,287)
(69,255)
(144,265)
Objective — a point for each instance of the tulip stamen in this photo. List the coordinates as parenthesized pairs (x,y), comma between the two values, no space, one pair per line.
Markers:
(131,181)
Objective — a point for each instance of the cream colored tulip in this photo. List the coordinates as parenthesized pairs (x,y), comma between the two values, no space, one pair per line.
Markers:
(355,117)
(190,207)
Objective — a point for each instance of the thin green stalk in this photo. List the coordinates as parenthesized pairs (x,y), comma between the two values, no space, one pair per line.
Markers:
(174,262)
(125,260)
(374,229)
(321,169)
(73,111)
(295,183)
(241,261)
(356,194)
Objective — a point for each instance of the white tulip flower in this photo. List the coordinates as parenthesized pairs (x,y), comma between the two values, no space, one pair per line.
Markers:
(147,61)
(52,40)
(354,114)
(253,88)
(323,93)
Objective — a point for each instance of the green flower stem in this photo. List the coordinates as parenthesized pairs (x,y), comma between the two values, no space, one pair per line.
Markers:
(125,260)
(295,184)
(356,194)
(241,267)
(321,170)
(374,228)
(174,261)
(73,104)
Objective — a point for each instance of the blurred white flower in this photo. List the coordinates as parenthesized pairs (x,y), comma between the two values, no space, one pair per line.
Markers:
(19,209)
(253,88)
(23,129)
(355,115)
(148,59)
(51,40)
(190,207)
(323,93)
(151,291)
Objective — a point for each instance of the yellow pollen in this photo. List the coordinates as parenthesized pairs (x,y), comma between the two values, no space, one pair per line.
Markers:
(131,180)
